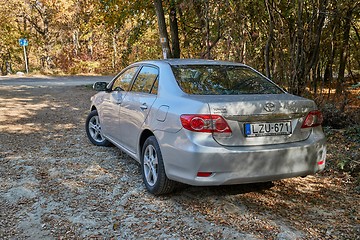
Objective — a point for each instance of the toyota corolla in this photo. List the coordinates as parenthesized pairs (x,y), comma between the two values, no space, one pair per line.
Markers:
(204,122)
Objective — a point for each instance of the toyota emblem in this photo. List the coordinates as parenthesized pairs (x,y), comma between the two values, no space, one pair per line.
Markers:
(269,107)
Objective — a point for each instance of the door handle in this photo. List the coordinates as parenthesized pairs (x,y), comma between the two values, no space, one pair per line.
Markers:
(143,106)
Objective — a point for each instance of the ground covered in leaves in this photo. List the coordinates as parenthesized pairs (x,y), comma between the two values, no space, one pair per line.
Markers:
(55,185)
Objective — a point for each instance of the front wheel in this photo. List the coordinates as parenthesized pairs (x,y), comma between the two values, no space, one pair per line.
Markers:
(153,170)
(93,130)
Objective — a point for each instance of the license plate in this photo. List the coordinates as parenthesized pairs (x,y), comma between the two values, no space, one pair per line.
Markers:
(267,129)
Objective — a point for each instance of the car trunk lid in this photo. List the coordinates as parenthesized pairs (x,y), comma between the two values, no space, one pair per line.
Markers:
(261,119)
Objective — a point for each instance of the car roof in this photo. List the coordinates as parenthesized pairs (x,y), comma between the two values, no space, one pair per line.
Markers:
(192,62)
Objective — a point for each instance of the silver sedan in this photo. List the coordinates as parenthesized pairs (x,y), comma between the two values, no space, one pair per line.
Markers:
(203,122)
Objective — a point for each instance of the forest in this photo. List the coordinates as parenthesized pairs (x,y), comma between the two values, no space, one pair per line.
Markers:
(310,47)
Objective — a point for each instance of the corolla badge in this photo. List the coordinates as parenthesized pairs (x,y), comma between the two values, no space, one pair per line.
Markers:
(220,110)
(269,107)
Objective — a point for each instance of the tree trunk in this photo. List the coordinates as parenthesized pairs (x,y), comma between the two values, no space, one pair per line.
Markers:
(343,52)
(114,45)
(328,75)
(299,71)
(315,49)
(207,54)
(269,40)
(184,30)
(174,31)
(164,40)
(76,42)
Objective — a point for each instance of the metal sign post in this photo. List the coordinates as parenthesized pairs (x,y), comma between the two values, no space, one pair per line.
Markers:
(24,42)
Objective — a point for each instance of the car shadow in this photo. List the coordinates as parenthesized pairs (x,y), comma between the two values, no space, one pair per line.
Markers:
(224,190)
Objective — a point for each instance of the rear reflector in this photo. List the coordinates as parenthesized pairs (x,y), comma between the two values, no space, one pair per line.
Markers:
(204,174)
(321,162)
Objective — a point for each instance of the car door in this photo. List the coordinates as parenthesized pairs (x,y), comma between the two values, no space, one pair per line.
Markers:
(136,105)
(110,114)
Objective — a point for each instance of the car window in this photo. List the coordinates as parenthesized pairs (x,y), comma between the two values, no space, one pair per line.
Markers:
(222,80)
(154,89)
(146,80)
(123,81)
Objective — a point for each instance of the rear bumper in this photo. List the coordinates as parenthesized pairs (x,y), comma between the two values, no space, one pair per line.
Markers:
(183,159)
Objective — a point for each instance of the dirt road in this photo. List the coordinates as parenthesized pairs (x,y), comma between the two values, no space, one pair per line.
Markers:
(36,81)
(55,185)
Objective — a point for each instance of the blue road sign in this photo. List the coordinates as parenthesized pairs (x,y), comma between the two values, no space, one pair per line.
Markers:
(23,42)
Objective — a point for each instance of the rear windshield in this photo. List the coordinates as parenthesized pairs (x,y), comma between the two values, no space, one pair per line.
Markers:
(222,80)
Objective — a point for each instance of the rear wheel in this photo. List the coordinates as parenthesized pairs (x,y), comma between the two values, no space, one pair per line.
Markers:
(93,130)
(153,170)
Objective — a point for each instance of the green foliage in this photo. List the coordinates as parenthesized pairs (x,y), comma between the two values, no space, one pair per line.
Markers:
(81,66)
(356,86)
(8,38)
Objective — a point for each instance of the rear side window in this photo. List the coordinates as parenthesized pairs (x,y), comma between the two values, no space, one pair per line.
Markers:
(222,80)
(146,80)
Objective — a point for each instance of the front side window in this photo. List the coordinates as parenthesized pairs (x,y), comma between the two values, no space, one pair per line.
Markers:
(123,81)
(146,80)
(222,80)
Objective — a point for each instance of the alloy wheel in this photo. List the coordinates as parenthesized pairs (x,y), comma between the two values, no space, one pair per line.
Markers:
(95,129)
(150,165)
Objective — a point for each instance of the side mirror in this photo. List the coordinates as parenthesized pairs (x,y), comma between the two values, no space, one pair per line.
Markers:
(100,86)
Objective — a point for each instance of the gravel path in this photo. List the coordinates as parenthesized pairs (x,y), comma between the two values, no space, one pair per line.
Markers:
(55,185)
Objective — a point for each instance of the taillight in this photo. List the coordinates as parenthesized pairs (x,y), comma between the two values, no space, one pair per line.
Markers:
(205,123)
(313,119)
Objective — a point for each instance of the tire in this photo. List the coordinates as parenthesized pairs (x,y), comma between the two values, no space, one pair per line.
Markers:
(153,170)
(93,130)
